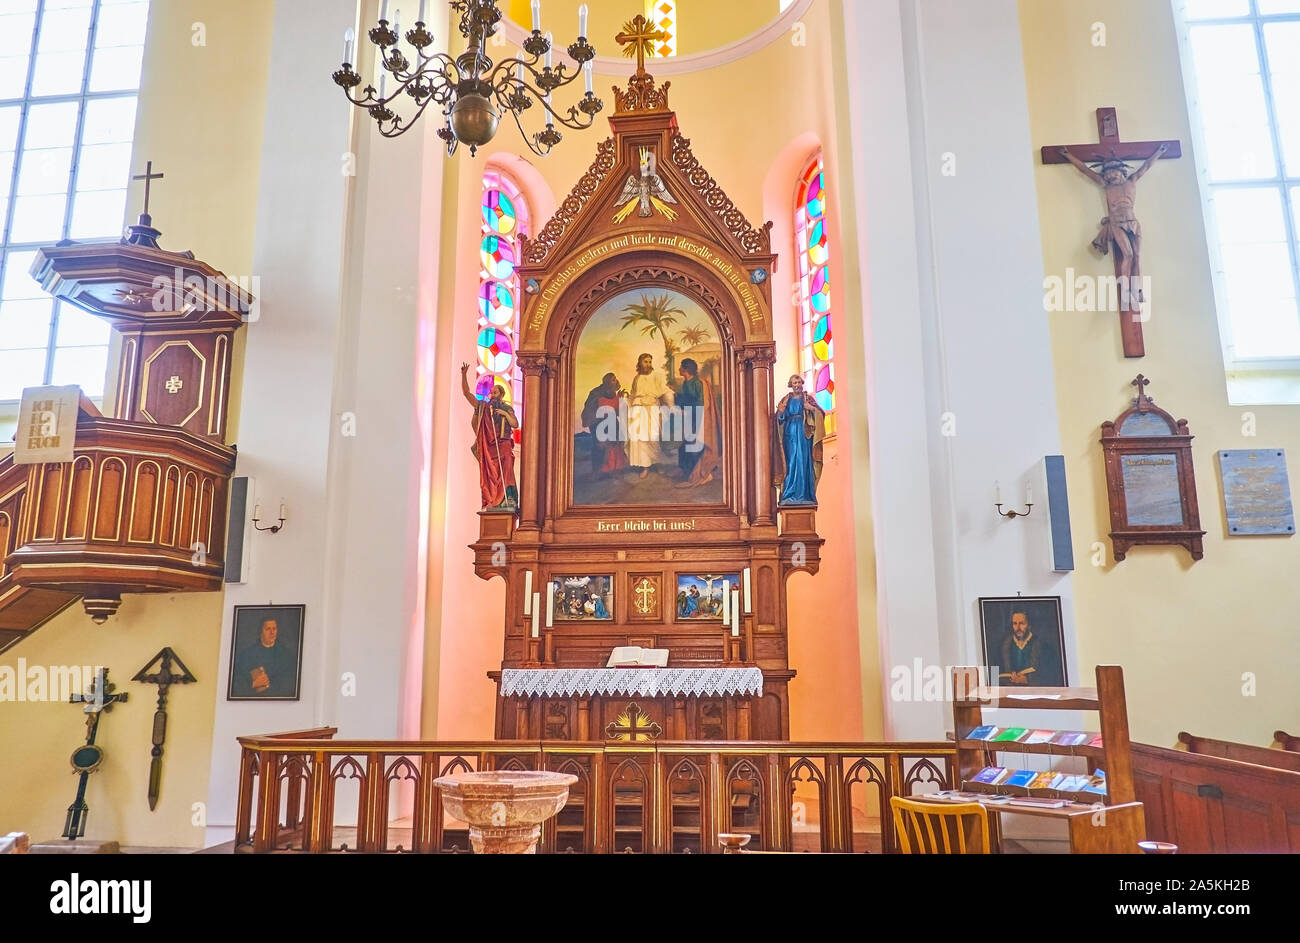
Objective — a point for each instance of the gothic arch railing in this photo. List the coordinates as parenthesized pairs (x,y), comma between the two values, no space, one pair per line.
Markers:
(277,811)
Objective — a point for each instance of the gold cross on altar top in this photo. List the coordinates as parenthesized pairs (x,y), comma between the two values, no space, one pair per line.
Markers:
(637,39)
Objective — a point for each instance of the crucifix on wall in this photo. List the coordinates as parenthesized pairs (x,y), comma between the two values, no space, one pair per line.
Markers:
(1121,233)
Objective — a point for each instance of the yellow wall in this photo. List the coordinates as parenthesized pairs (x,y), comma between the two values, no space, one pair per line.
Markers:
(1184,632)
(788,93)
(200,122)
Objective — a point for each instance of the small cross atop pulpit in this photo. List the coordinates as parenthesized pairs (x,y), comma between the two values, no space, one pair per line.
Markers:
(143,233)
(1121,233)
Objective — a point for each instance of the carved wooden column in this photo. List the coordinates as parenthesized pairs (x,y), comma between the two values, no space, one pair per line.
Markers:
(535,371)
(761,360)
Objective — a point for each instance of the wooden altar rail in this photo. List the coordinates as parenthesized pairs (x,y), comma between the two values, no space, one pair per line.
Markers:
(650,796)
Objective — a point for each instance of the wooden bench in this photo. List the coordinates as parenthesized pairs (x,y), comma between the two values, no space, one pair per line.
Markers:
(1208,804)
(1285,758)
(15,843)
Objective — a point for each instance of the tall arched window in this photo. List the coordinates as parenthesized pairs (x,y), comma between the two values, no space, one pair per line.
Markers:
(662,15)
(505,219)
(812,253)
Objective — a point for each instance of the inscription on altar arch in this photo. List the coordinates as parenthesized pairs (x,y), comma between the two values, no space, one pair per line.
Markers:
(735,277)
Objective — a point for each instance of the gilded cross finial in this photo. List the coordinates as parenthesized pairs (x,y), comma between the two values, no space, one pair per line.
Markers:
(637,39)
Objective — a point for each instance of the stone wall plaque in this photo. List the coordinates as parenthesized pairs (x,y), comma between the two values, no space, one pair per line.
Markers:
(1256,492)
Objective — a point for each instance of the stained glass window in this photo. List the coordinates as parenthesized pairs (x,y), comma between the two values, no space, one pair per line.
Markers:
(812,251)
(662,15)
(505,219)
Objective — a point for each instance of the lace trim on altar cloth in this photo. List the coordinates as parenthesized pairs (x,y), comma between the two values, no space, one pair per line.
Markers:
(643,682)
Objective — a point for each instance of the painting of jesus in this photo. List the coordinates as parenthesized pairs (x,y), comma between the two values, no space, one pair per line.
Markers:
(648,408)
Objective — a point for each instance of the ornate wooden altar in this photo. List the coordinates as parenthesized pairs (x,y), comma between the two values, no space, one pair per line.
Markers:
(623,541)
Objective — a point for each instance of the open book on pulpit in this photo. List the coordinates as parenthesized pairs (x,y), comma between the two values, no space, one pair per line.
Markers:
(633,656)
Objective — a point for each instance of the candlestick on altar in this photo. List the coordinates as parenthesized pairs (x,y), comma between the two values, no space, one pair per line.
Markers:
(550,603)
(749,603)
(528,592)
(726,602)
(735,613)
(537,606)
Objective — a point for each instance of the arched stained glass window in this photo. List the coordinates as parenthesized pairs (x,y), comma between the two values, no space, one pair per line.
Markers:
(812,251)
(662,15)
(504,219)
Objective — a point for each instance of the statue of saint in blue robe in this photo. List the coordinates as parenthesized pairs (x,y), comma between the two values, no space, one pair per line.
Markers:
(800,428)
(598,607)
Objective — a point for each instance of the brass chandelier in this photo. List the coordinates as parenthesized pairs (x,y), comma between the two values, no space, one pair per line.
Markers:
(471,89)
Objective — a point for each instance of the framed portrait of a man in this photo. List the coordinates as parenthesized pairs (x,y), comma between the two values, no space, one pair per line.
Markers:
(266,653)
(1024,642)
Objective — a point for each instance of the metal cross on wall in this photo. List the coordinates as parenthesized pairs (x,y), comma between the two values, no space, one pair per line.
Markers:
(164,677)
(99,698)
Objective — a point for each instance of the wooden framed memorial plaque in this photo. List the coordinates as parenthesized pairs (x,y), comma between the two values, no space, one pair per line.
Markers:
(1149,478)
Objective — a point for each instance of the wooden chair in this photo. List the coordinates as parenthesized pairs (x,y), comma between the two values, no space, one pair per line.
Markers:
(924,823)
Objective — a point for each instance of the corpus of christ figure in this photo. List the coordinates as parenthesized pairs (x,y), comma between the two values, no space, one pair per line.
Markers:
(1121,234)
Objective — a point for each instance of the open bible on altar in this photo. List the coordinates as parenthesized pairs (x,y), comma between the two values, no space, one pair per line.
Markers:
(633,656)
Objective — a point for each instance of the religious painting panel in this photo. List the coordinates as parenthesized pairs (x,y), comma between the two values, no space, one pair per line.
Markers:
(648,403)
(700,596)
(1024,642)
(586,598)
(266,653)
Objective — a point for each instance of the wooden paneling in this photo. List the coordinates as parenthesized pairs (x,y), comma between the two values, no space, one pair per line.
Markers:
(1209,804)
(109,498)
(76,524)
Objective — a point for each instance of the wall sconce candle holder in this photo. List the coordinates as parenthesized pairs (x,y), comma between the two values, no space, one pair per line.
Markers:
(272,528)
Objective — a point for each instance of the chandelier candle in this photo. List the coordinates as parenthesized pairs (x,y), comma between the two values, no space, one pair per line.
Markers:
(537,15)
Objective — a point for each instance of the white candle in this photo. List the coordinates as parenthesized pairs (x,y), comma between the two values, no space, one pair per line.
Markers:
(549,120)
(528,591)
(383,83)
(282,514)
(397,24)
(726,601)
(348,37)
(997,493)
(519,73)
(383,10)
(549,49)
(587,77)
(1029,493)
(537,605)
(550,603)
(422,3)
(257,512)
(735,612)
(582,20)
(537,15)
(749,603)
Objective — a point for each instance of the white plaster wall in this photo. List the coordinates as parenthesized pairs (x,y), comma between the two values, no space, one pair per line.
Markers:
(955,325)
(343,328)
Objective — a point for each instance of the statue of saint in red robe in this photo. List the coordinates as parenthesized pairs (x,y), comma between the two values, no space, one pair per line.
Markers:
(494,423)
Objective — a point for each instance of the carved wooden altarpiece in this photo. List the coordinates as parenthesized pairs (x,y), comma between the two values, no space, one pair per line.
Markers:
(647,238)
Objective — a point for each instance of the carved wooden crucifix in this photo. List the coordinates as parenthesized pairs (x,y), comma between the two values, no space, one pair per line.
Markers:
(164,677)
(1120,234)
